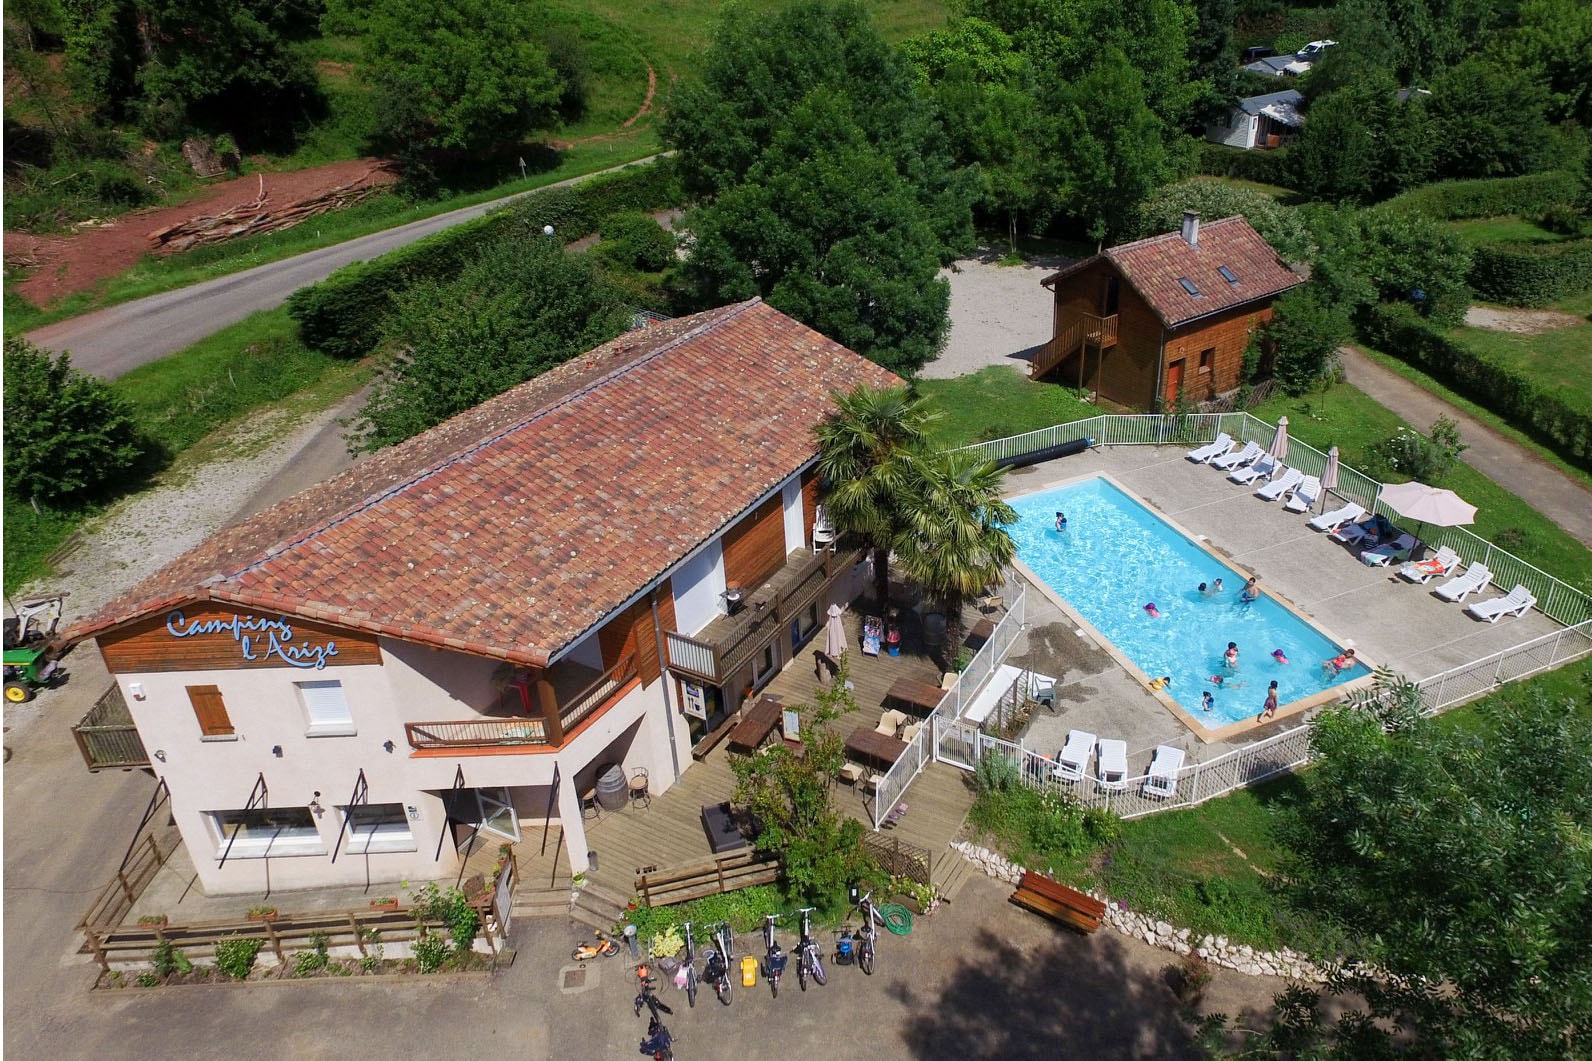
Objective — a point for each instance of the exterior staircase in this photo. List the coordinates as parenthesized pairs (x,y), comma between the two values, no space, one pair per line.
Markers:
(951,872)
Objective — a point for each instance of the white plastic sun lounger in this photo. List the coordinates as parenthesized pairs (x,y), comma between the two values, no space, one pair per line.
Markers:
(1112,766)
(1517,601)
(1351,533)
(1476,577)
(1223,443)
(1073,758)
(1421,572)
(1382,555)
(1162,778)
(1305,496)
(1229,461)
(1331,521)
(1265,468)
(1281,485)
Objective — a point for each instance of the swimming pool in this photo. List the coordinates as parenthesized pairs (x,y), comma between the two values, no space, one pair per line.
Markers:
(1116,556)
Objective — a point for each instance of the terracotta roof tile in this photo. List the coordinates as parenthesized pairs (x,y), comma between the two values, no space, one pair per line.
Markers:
(511,529)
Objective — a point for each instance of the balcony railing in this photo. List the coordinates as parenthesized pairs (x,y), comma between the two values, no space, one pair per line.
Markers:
(1087,329)
(107,737)
(513,732)
(727,644)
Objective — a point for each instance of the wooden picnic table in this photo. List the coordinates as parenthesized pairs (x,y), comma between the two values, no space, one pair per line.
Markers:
(868,743)
(915,693)
(759,722)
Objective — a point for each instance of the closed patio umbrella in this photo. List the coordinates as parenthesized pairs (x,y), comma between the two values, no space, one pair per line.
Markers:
(1428,504)
(1279,442)
(834,634)
(1329,476)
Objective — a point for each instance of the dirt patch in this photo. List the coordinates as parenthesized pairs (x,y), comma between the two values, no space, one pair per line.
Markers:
(1519,321)
(68,264)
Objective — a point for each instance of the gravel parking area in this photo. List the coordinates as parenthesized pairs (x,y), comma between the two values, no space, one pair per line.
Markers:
(999,313)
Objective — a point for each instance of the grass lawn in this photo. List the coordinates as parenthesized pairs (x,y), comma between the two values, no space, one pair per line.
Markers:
(1356,424)
(1286,196)
(996,402)
(1558,360)
(1504,230)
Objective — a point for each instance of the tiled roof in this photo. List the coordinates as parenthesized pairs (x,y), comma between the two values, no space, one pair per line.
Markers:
(511,529)
(1156,268)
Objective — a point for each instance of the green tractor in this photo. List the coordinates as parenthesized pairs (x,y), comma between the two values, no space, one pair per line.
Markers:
(31,649)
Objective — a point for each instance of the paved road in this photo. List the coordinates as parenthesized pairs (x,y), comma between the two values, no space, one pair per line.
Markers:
(1538,483)
(112,341)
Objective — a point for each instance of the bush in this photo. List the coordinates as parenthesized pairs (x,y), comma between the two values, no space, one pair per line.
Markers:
(314,959)
(235,956)
(1539,274)
(343,314)
(634,240)
(1397,329)
(1428,459)
(1307,330)
(1267,167)
(68,437)
(1279,225)
(431,951)
(1497,197)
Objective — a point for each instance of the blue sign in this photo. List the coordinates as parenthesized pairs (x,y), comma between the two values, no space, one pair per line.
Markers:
(260,639)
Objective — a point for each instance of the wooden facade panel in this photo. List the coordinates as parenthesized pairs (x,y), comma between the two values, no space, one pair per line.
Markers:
(755,547)
(1128,371)
(1227,334)
(208,636)
(633,632)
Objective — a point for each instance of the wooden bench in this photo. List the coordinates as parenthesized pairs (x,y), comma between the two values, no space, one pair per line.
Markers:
(1058,902)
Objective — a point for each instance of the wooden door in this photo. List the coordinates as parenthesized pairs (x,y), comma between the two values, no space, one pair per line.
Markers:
(1174,381)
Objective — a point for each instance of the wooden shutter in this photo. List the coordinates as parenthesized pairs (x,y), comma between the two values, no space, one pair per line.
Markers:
(210,711)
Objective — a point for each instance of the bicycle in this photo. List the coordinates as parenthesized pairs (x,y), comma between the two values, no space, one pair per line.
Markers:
(808,963)
(604,947)
(659,1043)
(721,959)
(774,961)
(868,935)
(688,967)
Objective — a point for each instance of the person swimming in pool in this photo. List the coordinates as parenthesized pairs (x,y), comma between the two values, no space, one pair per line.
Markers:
(1339,664)
(1278,655)
(1251,592)
(1222,681)
(1230,657)
(1152,610)
(1207,701)
(1158,684)
(1061,521)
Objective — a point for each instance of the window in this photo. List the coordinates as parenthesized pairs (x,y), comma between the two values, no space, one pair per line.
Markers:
(266,831)
(376,827)
(1207,357)
(326,708)
(1227,274)
(1188,285)
(211,712)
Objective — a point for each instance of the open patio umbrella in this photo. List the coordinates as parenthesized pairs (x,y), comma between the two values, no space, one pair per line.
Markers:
(1279,442)
(834,634)
(1329,476)
(1428,504)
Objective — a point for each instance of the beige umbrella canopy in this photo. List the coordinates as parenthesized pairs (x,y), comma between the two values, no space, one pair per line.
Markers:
(834,634)
(1279,442)
(1329,476)
(1428,504)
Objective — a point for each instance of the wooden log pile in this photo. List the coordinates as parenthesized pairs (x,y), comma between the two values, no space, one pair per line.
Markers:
(256,216)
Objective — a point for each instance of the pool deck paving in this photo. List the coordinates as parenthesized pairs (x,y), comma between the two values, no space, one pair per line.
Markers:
(1391,622)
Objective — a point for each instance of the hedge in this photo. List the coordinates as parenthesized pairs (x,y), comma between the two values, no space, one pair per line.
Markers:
(1398,330)
(343,314)
(1531,274)
(1266,167)
(1492,197)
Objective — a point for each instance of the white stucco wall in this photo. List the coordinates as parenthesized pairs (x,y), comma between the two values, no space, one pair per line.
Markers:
(795,525)
(698,588)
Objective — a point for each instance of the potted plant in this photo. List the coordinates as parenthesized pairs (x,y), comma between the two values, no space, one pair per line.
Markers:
(262,913)
(152,921)
(384,902)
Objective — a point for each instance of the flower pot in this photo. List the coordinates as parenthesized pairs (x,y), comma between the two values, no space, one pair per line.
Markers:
(263,917)
(376,905)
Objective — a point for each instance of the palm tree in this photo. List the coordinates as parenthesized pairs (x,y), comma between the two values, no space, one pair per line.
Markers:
(953,540)
(866,451)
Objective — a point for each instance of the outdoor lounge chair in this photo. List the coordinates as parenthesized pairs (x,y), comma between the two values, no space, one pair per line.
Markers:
(1224,443)
(1382,555)
(1281,485)
(1162,778)
(1073,758)
(1304,498)
(1331,521)
(1111,767)
(1423,571)
(1517,601)
(823,531)
(1476,577)
(1228,461)
(1264,468)
(1355,532)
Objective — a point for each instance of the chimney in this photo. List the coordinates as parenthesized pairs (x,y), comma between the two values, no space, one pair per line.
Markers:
(1191,227)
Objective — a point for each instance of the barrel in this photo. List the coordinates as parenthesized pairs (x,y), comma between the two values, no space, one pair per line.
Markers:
(933,629)
(611,788)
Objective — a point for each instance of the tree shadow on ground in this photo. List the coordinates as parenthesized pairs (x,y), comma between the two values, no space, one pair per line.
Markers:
(1059,995)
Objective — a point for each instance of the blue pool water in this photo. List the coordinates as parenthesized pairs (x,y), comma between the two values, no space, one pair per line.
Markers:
(1116,556)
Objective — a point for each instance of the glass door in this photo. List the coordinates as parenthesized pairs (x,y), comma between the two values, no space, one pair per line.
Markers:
(497,813)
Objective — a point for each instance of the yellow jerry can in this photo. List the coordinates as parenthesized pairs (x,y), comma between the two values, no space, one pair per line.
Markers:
(748,971)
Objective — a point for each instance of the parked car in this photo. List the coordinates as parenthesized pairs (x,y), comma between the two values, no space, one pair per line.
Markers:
(1306,57)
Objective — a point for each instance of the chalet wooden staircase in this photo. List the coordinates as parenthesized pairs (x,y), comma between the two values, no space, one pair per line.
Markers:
(1087,330)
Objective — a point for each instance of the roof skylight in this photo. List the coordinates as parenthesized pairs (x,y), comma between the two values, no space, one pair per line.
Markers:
(1188,285)
(1227,274)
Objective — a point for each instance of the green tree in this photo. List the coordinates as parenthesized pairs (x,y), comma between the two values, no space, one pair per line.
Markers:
(1459,864)
(1306,330)
(827,230)
(1491,120)
(953,539)
(521,308)
(69,438)
(1281,226)
(866,451)
(1213,53)
(1413,259)
(1552,40)
(452,78)
(1361,142)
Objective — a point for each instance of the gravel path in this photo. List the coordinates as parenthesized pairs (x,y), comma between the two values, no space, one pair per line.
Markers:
(999,313)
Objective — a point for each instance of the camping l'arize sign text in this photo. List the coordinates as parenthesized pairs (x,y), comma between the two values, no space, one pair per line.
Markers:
(205,637)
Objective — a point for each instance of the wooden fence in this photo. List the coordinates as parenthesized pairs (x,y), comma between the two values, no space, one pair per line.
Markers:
(694,880)
(899,858)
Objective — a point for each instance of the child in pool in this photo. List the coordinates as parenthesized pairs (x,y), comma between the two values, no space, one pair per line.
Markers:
(1339,664)
(1230,657)
(1251,592)
(1154,612)
(1158,684)
(1061,521)
(1207,701)
(1277,654)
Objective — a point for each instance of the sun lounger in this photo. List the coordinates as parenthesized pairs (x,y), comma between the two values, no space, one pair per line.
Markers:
(1476,577)
(1162,778)
(1423,571)
(1265,468)
(1224,443)
(1517,602)
(1382,555)
(1073,758)
(1305,496)
(1281,485)
(1331,521)
(1248,455)
(1111,767)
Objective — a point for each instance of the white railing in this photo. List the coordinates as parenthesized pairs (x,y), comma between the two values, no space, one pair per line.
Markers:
(922,748)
